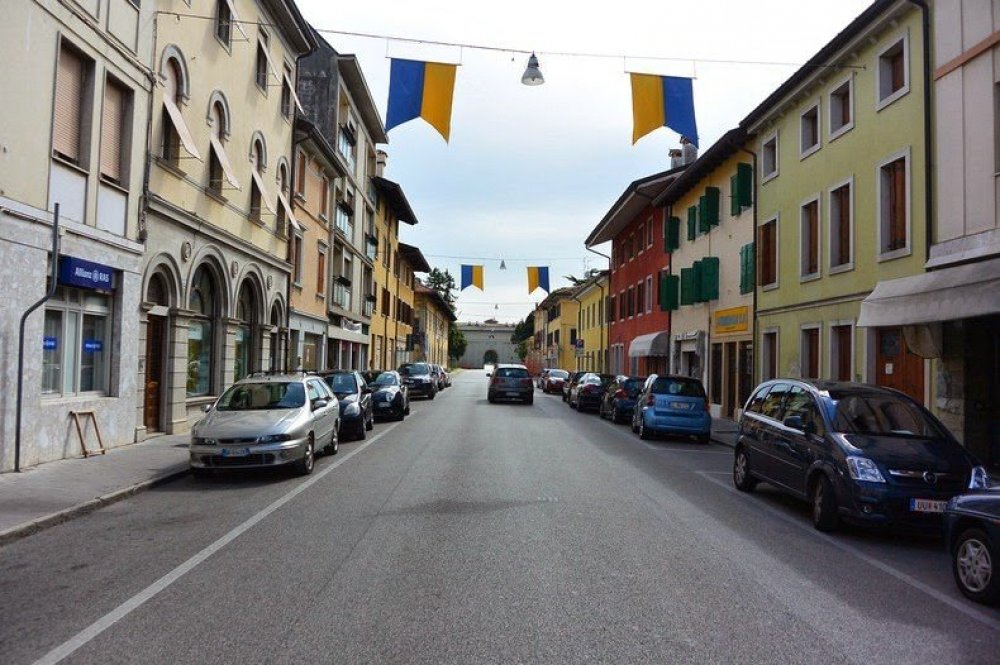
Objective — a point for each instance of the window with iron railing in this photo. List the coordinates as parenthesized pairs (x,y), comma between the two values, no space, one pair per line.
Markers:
(343,220)
(346,147)
(341,295)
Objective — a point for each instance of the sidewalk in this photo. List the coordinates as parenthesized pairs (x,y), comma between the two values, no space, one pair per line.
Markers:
(725,431)
(50,493)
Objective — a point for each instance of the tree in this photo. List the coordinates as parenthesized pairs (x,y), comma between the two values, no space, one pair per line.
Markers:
(443,283)
(522,349)
(457,344)
(523,330)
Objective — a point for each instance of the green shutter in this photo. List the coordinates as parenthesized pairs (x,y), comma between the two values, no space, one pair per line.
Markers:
(669,285)
(747,269)
(687,286)
(673,237)
(712,196)
(709,278)
(692,222)
(744,185)
(697,277)
(703,220)
(734,198)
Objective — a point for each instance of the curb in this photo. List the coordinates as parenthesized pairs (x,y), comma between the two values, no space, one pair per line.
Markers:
(725,442)
(53,519)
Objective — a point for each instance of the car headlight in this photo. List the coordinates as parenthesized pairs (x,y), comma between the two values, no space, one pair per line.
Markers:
(979,480)
(352,409)
(862,468)
(202,441)
(274,438)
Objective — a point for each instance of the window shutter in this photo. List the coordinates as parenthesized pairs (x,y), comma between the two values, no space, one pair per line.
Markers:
(68,105)
(112,127)
(697,276)
(734,197)
(744,184)
(703,225)
(712,196)
(692,222)
(673,234)
(669,285)
(751,267)
(687,286)
(710,278)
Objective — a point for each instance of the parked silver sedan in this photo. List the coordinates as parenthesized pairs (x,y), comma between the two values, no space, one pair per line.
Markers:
(265,421)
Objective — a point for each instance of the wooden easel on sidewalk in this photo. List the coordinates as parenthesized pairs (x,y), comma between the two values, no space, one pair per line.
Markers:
(79,430)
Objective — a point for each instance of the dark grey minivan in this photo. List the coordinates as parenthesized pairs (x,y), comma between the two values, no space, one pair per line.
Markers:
(854,451)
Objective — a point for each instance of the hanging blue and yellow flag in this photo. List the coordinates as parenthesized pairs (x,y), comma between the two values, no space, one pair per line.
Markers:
(472,276)
(420,89)
(662,101)
(538,276)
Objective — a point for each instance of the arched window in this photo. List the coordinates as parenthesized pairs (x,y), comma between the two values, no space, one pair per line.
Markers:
(246,314)
(275,336)
(258,193)
(204,303)
(158,292)
(219,167)
(175,131)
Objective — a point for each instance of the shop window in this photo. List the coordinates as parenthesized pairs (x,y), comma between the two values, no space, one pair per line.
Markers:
(201,330)
(715,374)
(76,345)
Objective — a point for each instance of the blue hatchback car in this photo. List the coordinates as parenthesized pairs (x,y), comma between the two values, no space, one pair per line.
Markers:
(674,405)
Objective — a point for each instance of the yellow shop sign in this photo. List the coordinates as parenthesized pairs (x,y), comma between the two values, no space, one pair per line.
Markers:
(734,319)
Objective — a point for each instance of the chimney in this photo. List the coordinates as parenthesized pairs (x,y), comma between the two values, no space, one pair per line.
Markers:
(689,149)
(381,156)
(676,158)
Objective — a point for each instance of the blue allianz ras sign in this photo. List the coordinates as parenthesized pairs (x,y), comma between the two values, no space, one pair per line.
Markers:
(85,274)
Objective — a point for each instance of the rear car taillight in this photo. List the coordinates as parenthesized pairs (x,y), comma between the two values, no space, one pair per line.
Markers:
(706,405)
(495,380)
(525,382)
(621,394)
(650,399)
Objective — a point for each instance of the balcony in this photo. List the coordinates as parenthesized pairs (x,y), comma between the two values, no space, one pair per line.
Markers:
(341,295)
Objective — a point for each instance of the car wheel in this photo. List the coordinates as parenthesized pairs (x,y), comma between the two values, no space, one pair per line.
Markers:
(529,401)
(370,423)
(705,438)
(432,394)
(201,473)
(362,432)
(824,505)
(490,399)
(334,445)
(644,433)
(635,426)
(974,562)
(305,465)
(742,478)
(406,409)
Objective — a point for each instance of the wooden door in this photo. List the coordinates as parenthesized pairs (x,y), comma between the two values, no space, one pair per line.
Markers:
(895,366)
(154,373)
(730,379)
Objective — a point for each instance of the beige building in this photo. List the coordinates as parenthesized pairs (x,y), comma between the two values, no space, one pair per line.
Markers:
(77,80)
(556,319)
(708,287)
(431,325)
(216,277)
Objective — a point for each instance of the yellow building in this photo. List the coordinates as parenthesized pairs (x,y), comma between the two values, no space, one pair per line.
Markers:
(216,273)
(841,203)
(591,323)
(394,279)
(431,325)
(709,286)
(557,320)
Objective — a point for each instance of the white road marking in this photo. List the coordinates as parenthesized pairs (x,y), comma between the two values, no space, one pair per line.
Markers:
(114,616)
(955,604)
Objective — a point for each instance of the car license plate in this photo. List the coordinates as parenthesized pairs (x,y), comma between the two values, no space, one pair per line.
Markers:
(682,406)
(235,452)
(512,393)
(927,506)
(382,405)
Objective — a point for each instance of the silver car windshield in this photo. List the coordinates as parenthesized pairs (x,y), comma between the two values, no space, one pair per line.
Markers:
(342,383)
(263,396)
(385,380)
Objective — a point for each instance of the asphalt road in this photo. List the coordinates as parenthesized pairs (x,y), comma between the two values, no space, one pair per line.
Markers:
(478,533)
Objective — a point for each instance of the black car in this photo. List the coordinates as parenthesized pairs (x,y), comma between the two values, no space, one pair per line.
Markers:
(972,529)
(868,454)
(619,398)
(356,414)
(420,379)
(588,391)
(570,383)
(508,381)
(390,396)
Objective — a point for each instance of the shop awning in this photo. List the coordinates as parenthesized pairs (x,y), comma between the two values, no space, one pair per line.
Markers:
(653,344)
(949,294)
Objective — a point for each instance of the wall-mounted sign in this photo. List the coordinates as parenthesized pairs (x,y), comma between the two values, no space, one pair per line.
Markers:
(734,319)
(50,343)
(85,274)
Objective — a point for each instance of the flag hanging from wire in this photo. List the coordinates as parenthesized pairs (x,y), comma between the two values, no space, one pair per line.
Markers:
(662,101)
(538,277)
(472,276)
(420,89)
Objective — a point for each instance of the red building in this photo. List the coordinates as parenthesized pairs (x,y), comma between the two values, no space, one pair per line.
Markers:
(639,334)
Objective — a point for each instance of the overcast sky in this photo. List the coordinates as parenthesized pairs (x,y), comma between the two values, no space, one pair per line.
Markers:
(530,171)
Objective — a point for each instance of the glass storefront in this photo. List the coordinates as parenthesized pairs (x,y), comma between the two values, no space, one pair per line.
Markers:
(76,342)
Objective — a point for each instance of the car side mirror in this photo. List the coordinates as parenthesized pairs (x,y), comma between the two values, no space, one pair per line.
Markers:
(206,408)
(488,375)
(319,403)
(366,390)
(795,422)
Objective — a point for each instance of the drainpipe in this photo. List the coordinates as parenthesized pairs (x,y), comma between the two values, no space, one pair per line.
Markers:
(292,184)
(756,263)
(20,336)
(928,146)
(607,319)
